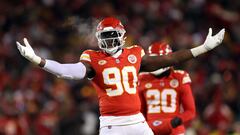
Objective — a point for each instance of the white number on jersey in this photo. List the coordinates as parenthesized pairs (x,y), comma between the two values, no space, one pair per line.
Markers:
(113,76)
(157,101)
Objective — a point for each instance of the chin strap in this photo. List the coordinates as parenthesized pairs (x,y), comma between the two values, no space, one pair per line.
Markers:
(115,53)
(112,51)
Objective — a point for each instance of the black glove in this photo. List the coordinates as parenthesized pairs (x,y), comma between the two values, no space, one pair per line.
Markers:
(176,121)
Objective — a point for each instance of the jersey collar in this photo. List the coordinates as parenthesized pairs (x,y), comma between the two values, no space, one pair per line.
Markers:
(117,54)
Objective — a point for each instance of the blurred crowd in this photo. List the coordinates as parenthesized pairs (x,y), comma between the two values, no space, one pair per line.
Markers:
(34,102)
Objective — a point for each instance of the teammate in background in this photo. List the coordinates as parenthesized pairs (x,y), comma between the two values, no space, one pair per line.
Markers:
(113,71)
(163,92)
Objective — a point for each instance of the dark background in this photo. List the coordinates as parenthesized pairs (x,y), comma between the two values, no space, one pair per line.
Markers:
(34,102)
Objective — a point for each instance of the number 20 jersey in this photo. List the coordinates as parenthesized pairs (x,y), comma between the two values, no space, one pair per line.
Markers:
(116,80)
(162,97)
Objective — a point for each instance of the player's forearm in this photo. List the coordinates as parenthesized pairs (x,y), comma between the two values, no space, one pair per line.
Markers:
(188,103)
(67,71)
(182,118)
(156,62)
(187,115)
(152,63)
(179,57)
(189,110)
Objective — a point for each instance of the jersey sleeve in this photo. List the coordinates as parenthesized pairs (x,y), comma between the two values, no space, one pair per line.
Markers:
(183,76)
(142,52)
(86,57)
(186,78)
(142,98)
(143,104)
(138,49)
(187,102)
(186,96)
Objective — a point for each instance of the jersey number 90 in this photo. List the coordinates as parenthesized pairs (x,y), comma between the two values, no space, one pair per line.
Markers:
(124,80)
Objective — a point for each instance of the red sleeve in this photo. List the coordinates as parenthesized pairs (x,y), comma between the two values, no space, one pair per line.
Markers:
(188,103)
(138,49)
(143,101)
(86,56)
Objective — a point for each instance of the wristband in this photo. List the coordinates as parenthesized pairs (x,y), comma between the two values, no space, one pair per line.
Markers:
(36,60)
(198,50)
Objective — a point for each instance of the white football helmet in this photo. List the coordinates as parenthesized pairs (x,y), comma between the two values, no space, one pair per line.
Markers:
(158,49)
(110,34)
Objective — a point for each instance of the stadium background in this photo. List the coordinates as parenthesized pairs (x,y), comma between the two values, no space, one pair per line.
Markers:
(34,102)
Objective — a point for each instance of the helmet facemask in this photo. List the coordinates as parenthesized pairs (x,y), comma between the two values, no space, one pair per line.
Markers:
(111,40)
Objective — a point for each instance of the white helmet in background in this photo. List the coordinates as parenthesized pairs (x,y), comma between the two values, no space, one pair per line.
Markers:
(158,49)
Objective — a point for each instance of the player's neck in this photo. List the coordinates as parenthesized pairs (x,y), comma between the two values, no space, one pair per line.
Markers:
(117,54)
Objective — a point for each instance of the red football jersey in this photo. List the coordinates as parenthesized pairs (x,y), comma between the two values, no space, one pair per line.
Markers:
(116,80)
(163,97)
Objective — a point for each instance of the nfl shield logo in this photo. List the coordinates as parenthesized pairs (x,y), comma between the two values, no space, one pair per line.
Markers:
(174,83)
(132,59)
(157,123)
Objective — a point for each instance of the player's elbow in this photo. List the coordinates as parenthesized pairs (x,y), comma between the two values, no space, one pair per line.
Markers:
(80,76)
(62,73)
(72,77)
(74,72)
(190,113)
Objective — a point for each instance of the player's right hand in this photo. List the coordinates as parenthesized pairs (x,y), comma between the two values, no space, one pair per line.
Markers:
(27,52)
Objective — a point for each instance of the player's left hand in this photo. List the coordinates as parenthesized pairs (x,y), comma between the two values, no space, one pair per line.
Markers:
(175,122)
(213,40)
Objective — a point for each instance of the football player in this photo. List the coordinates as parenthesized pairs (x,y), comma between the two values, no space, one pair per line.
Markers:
(113,70)
(163,92)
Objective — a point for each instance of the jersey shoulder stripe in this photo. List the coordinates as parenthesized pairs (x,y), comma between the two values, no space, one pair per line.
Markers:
(137,47)
(179,71)
(86,55)
(133,46)
(185,78)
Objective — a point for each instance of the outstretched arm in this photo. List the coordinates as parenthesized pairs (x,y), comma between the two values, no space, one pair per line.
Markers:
(67,71)
(152,63)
